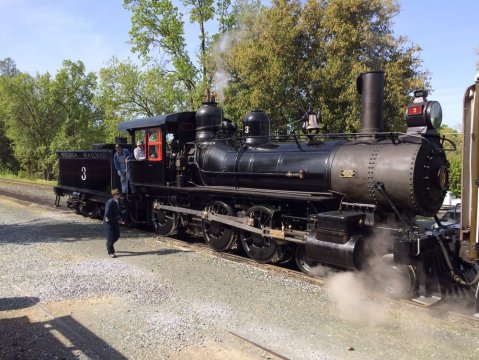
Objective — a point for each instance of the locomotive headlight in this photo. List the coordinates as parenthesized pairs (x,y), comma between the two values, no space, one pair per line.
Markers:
(423,115)
(434,114)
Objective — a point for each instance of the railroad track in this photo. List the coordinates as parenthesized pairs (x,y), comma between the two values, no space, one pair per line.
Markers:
(194,244)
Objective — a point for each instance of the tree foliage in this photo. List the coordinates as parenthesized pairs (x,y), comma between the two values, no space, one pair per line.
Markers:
(8,67)
(296,54)
(8,162)
(44,114)
(158,35)
(454,157)
(126,92)
(81,121)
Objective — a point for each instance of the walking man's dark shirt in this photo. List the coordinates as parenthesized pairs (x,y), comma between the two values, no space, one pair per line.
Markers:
(111,222)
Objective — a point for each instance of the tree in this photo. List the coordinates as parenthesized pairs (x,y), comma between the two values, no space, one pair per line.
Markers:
(8,67)
(454,157)
(81,121)
(299,54)
(157,35)
(8,162)
(202,12)
(43,115)
(126,92)
(157,26)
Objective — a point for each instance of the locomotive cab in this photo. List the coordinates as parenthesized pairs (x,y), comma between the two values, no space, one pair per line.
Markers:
(165,137)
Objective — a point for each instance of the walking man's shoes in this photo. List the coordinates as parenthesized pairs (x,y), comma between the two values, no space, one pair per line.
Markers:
(112,255)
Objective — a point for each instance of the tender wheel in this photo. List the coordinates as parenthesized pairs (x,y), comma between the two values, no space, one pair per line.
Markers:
(259,248)
(304,263)
(164,222)
(219,236)
(396,280)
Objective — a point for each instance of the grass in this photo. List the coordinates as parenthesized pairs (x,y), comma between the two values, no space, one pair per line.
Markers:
(28,180)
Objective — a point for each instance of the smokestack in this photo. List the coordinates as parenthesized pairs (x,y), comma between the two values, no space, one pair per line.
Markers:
(371,87)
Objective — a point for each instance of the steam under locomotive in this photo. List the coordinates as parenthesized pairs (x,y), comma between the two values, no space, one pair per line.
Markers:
(339,200)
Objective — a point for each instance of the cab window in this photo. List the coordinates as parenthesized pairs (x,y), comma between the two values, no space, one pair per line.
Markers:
(154,149)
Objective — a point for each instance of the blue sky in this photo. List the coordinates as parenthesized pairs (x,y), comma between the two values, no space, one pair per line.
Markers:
(39,34)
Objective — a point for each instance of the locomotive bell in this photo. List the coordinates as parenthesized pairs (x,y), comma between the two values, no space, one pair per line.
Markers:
(310,123)
(256,127)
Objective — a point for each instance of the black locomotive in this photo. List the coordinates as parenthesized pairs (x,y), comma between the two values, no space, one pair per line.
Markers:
(338,200)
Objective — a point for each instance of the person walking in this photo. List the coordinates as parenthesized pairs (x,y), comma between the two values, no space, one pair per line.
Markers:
(111,221)
(120,159)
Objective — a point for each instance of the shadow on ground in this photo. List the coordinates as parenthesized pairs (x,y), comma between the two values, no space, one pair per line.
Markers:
(140,253)
(50,231)
(60,338)
(16,303)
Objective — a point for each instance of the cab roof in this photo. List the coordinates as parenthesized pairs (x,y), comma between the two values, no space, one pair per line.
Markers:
(155,121)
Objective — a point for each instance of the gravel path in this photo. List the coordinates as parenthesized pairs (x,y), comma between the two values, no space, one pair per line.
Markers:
(62,297)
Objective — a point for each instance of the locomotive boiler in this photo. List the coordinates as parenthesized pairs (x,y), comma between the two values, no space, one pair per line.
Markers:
(323,199)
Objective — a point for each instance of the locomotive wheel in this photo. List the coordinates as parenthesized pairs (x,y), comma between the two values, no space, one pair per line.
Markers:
(259,248)
(164,222)
(218,236)
(305,264)
(396,280)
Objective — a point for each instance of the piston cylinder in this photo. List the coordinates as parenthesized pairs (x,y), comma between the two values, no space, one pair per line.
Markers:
(348,255)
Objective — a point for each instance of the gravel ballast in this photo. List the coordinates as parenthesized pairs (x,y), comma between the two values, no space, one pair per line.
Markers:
(158,301)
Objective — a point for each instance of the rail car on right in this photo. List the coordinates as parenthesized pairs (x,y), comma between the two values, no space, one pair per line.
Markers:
(469,221)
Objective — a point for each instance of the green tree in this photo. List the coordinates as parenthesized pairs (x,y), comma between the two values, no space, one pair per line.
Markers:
(157,27)
(8,162)
(81,121)
(157,35)
(454,157)
(8,67)
(126,92)
(202,11)
(45,114)
(298,54)
(30,120)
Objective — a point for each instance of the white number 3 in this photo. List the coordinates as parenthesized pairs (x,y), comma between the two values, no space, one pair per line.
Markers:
(83,173)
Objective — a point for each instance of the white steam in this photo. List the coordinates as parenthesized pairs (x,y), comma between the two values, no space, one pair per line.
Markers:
(350,293)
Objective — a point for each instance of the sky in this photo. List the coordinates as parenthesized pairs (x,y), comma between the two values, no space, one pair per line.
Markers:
(39,34)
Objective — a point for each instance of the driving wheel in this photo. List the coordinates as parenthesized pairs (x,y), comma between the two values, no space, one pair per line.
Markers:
(260,248)
(164,222)
(219,236)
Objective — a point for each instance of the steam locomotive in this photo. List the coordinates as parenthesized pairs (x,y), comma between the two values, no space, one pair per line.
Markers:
(338,199)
